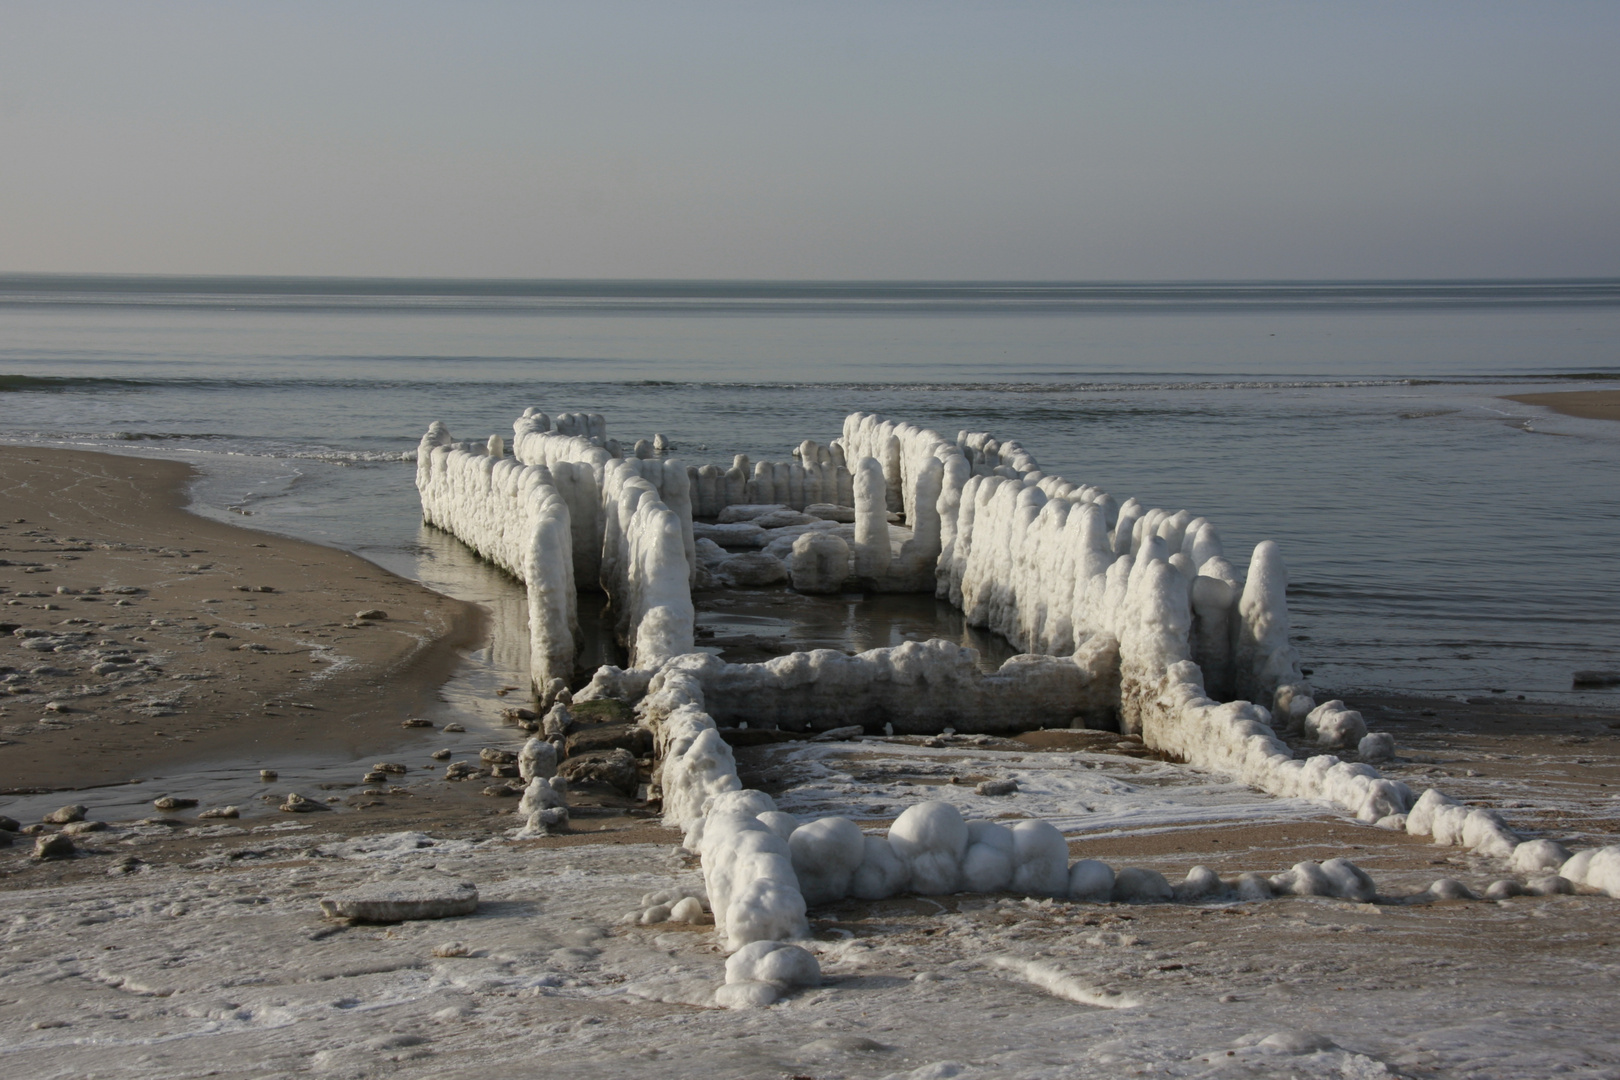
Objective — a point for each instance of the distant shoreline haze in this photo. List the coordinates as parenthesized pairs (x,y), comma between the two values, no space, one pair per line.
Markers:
(599,295)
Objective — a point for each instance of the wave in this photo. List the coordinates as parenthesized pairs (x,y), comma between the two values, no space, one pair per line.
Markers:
(354,457)
(48,383)
(253,446)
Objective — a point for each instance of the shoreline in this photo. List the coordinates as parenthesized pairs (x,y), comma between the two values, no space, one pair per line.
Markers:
(186,640)
(1585,404)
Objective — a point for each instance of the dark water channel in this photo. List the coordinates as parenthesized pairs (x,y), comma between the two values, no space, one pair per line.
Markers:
(754,625)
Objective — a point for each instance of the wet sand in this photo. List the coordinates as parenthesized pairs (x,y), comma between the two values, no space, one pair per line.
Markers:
(1587,404)
(160,638)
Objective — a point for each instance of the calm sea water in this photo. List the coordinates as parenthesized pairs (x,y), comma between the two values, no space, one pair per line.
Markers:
(1439,538)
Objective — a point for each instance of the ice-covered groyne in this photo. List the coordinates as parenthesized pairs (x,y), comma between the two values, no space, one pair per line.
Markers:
(513,516)
(915,688)
(817,475)
(1128,615)
(635,517)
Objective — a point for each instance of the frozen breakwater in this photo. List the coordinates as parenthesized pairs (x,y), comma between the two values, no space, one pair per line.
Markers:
(1130,617)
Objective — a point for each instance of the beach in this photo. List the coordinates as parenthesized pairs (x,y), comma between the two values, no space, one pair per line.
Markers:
(175,944)
(171,945)
(1586,404)
(175,639)
(198,948)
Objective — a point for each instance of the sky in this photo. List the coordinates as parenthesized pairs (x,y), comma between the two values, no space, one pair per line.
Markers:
(808,140)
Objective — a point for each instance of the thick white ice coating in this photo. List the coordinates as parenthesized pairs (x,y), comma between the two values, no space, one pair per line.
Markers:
(1333,724)
(628,554)
(1236,738)
(752,888)
(1265,659)
(1597,868)
(773,962)
(1091,881)
(987,863)
(648,556)
(697,764)
(817,476)
(1537,856)
(1336,877)
(826,853)
(1438,816)
(872,553)
(917,687)
(537,758)
(1130,608)
(922,474)
(1040,859)
(820,563)
(931,838)
(513,516)
(576,464)
(544,806)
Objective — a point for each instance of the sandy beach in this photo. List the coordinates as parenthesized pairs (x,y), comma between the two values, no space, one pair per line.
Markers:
(1587,404)
(139,636)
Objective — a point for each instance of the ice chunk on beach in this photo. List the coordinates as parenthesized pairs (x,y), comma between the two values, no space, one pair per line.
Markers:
(1533,856)
(773,962)
(1378,746)
(1333,725)
(537,758)
(826,853)
(1040,859)
(1596,868)
(931,838)
(1135,885)
(1091,881)
(882,873)
(1200,884)
(820,563)
(544,805)
(987,864)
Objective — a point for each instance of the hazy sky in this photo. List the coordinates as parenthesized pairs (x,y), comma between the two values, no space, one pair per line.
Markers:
(812,140)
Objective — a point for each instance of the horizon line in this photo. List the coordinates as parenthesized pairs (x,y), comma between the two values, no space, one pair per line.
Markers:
(17,276)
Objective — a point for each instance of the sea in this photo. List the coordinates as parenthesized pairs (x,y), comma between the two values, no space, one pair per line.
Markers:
(1440,539)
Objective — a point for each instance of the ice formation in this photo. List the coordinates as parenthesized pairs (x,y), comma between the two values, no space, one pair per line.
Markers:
(1129,615)
(513,516)
(761,883)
